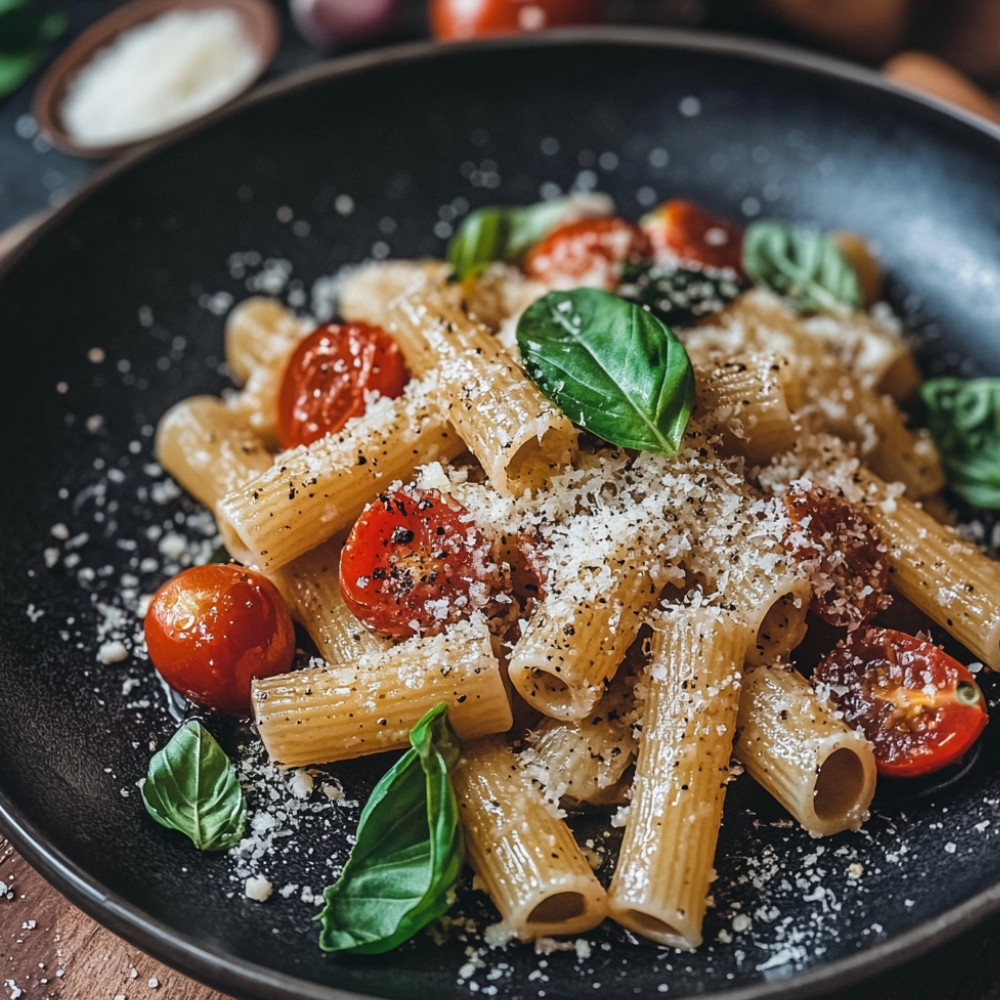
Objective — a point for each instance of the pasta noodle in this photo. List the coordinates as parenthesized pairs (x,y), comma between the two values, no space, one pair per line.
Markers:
(664,866)
(335,713)
(818,768)
(525,856)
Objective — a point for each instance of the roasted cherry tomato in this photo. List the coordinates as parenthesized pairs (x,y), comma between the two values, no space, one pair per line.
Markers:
(682,230)
(327,376)
(213,628)
(413,563)
(589,252)
(453,20)
(848,566)
(920,708)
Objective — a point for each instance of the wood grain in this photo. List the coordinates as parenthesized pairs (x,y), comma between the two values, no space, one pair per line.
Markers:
(50,950)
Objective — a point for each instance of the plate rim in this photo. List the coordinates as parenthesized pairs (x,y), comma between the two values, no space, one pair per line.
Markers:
(218,968)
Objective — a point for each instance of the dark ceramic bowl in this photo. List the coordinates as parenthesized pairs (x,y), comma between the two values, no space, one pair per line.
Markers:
(113,311)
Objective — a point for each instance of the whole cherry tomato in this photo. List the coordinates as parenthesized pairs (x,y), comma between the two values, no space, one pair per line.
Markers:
(590,252)
(682,230)
(212,629)
(919,707)
(414,563)
(327,376)
(453,20)
(849,569)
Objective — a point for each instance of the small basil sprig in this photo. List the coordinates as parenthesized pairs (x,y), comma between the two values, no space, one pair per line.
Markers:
(408,853)
(677,294)
(25,33)
(964,419)
(802,265)
(192,787)
(505,232)
(610,366)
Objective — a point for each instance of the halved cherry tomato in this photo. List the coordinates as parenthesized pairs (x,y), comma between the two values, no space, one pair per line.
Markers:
(682,230)
(453,20)
(919,707)
(414,563)
(850,572)
(327,376)
(590,252)
(212,629)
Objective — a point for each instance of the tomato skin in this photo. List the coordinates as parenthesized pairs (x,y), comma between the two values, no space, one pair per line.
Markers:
(851,573)
(589,252)
(211,629)
(454,20)
(414,563)
(919,707)
(682,230)
(327,376)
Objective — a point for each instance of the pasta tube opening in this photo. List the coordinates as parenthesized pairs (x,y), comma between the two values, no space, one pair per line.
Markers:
(841,785)
(653,927)
(559,908)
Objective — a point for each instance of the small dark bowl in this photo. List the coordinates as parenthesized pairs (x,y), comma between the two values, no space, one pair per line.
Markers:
(259,21)
(113,310)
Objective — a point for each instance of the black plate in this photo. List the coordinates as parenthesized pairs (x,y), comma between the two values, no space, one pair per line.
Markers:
(113,311)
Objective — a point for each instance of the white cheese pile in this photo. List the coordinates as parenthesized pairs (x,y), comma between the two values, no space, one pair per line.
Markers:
(159,74)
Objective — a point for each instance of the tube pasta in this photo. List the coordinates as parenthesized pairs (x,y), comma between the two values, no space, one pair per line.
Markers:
(260,335)
(586,761)
(311,493)
(750,400)
(207,448)
(519,437)
(523,854)
(836,398)
(570,649)
(334,713)
(310,586)
(820,770)
(660,884)
(258,330)
(945,576)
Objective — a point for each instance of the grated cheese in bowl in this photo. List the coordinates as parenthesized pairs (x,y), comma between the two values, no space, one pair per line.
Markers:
(158,75)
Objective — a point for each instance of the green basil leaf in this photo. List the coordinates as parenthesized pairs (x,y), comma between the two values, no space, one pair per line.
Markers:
(15,69)
(963,417)
(24,30)
(220,554)
(610,366)
(505,232)
(192,787)
(408,853)
(678,294)
(801,265)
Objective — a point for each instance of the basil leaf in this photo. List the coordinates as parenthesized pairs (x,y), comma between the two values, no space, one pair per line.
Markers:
(505,233)
(679,295)
(408,853)
(610,366)
(16,68)
(801,265)
(963,417)
(24,30)
(192,787)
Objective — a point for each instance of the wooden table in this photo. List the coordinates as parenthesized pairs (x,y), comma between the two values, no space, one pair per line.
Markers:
(50,950)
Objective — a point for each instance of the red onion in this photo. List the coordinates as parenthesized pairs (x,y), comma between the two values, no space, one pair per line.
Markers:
(328,23)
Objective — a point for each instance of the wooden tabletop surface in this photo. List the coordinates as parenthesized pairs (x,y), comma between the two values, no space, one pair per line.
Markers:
(50,950)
